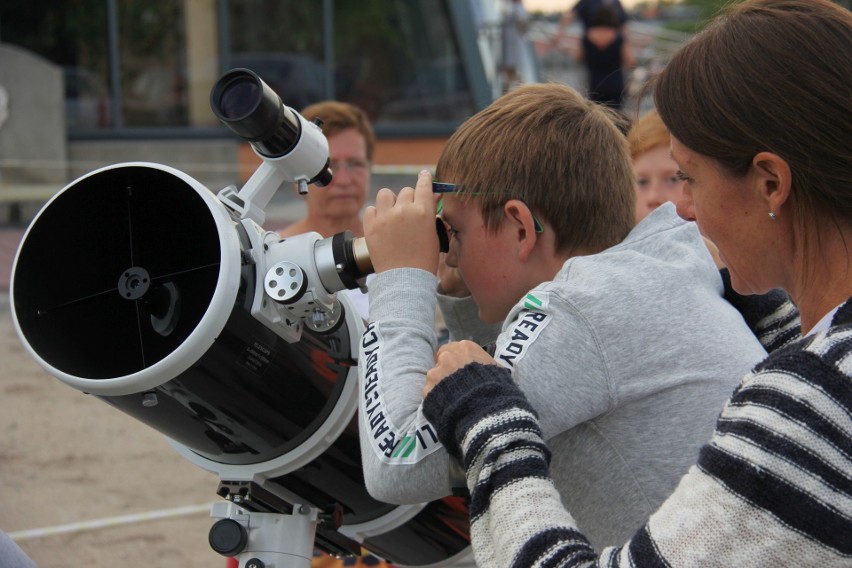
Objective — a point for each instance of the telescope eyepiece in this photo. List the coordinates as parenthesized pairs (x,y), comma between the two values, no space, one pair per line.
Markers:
(254,112)
(237,98)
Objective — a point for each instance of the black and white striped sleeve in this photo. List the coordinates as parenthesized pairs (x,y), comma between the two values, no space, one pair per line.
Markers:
(772,317)
(772,487)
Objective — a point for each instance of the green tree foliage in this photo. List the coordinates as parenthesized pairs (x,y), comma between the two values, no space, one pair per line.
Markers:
(707,10)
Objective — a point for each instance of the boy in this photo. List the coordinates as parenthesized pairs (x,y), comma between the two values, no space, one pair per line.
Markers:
(543,237)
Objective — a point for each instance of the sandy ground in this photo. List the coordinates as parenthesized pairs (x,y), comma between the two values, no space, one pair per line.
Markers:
(66,458)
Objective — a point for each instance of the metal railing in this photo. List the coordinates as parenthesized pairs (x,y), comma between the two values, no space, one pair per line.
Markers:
(652,46)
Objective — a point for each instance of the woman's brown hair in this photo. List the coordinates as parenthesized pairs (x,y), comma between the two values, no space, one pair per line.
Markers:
(776,76)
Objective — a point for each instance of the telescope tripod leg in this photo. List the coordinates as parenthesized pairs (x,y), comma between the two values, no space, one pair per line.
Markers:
(259,540)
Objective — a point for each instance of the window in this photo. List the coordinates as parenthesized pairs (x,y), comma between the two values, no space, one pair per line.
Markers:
(150,64)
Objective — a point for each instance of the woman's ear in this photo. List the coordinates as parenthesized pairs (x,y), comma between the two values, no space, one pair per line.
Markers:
(522,224)
(773,178)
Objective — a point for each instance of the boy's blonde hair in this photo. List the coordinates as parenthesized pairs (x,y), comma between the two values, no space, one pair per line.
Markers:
(559,153)
(647,133)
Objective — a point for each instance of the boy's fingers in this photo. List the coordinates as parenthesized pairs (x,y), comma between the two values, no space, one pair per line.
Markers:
(423,189)
(406,195)
(385,199)
(369,213)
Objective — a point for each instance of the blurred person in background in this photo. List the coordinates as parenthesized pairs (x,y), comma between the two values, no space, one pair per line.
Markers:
(657,180)
(586,10)
(656,172)
(606,54)
(351,142)
(515,25)
(338,206)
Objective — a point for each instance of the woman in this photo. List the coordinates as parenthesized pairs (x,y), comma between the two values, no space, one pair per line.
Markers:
(337,207)
(763,143)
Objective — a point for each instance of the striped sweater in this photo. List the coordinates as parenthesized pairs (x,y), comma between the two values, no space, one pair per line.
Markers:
(773,487)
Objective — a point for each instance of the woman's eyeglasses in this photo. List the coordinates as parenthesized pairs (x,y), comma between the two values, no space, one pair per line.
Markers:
(352,167)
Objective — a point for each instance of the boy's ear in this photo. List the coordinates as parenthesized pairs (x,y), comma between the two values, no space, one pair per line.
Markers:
(522,223)
(773,178)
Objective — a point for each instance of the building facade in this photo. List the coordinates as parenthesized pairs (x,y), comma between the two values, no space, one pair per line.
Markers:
(140,71)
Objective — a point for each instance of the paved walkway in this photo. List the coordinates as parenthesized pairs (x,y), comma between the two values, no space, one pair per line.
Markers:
(9,240)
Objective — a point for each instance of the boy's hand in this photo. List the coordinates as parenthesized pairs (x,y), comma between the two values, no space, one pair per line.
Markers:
(400,230)
(451,357)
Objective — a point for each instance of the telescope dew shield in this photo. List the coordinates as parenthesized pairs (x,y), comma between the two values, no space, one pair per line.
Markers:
(129,285)
(112,258)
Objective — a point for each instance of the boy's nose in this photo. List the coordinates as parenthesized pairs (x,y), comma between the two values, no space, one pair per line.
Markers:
(657,195)
(653,202)
(451,258)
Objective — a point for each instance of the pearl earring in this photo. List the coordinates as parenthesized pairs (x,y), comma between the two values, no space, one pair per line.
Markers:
(773,216)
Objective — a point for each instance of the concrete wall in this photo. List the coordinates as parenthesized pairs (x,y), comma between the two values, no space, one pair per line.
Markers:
(212,162)
(32,101)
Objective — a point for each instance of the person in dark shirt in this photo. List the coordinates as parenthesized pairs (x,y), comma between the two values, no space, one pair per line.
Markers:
(586,10)
(605,53)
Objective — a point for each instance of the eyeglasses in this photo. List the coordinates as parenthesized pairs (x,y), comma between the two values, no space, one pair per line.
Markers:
(352,167)
(443,187)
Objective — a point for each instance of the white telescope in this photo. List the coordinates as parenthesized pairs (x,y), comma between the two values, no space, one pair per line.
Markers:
(136,284)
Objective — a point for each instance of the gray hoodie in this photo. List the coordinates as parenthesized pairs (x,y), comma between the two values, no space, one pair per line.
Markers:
(627,356)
